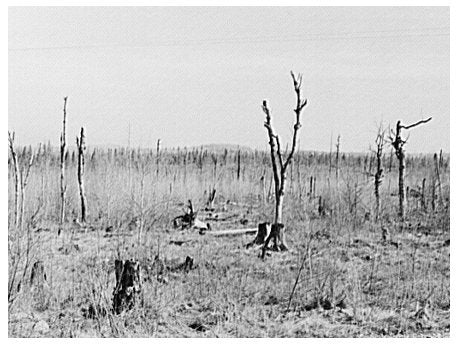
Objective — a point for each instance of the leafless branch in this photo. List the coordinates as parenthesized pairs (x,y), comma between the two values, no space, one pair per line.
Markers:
(300,104)
(270,132)
(417,123)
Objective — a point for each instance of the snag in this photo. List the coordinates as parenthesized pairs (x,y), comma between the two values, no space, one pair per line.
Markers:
(398,143)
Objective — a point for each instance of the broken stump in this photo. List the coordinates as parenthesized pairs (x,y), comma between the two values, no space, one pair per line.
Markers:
(277,235)
(127,285)
(262,234)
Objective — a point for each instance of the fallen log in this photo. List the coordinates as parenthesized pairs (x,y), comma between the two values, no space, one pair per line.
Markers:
(230,232)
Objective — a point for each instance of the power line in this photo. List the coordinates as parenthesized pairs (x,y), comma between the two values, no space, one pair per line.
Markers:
(381,34)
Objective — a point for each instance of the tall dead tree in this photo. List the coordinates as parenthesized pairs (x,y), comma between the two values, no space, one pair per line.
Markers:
(238,164)
(81,145)
(17,177)
(398,144)
(279,167)
(379,141)
(337,156)
(63,149)
(438,178)
(23,182)
(158,156)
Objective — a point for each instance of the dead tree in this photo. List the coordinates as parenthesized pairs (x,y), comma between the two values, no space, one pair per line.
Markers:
(23,182)
(158,156)
(17,177)
(63,148)
(81,145)
(423,199)
(337,157)
(441,159)
(279,167)
(398,144)
(438,178)
(330,156)
(379,141)
(238,164)
(127,285)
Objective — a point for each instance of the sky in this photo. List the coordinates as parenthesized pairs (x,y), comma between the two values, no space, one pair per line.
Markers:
(191,76)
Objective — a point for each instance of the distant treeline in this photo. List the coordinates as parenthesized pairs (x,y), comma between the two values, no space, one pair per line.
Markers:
(199,156)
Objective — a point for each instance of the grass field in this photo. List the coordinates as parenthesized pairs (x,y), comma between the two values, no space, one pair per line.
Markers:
(347,280)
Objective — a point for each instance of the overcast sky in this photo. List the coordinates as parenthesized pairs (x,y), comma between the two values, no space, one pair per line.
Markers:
(192,76)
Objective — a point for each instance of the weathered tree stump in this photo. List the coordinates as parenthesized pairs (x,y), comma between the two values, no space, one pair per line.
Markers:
(127,285)
(266,233)
(277,235)
(262,234)
(39,289)
(37,275)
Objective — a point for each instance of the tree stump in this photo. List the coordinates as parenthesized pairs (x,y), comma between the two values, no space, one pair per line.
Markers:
(127,285)
(277,235)
(261,235)
(37,275)
(38,286)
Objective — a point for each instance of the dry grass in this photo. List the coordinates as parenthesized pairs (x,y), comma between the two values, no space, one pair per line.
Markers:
(351,284)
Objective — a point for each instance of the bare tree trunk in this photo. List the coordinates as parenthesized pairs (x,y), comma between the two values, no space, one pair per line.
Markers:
(438,178)
(401,186)
(441,159)
(433,195)
(423,200)
(379,173)
(81,145)
(17,178)
(158,148)
(238,164)
(337,157)
(63,187)
(279,209)
(24,180)
(398,144)
(330,156)
(311,188)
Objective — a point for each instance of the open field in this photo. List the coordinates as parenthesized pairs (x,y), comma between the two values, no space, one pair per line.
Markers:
(348,280)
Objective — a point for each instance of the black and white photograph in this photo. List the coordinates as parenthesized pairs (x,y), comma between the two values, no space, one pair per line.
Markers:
(228,172)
